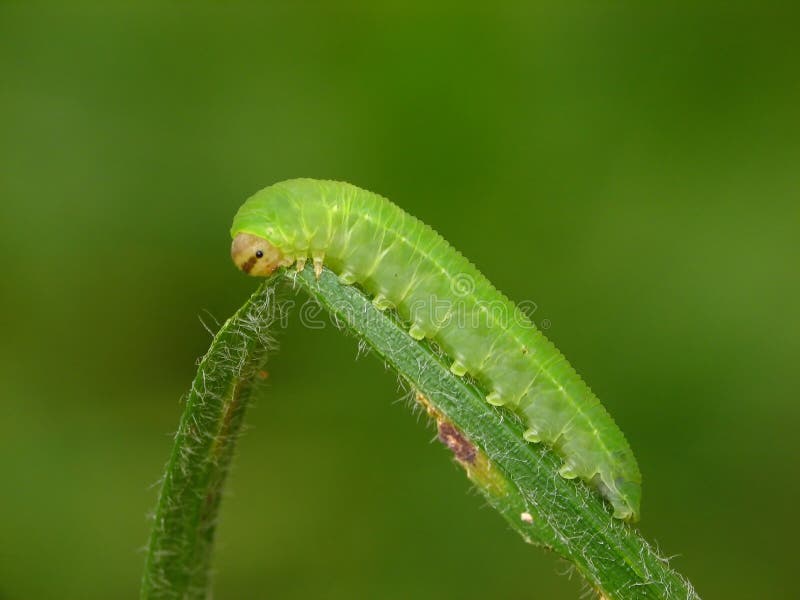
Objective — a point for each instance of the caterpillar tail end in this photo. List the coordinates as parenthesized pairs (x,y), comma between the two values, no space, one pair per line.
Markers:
(624,495)
(623,511)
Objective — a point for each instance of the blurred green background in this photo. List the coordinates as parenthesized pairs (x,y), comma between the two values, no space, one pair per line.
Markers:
(635,172)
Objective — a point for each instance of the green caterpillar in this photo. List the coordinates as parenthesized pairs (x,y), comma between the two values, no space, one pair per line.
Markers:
(406,265)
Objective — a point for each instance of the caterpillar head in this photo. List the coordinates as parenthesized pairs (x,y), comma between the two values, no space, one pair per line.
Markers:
(255,256)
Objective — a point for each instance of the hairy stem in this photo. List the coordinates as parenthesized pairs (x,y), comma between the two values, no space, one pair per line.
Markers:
(519,479)
(179,552)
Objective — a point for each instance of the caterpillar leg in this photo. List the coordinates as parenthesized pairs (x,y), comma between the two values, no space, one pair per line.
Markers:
(318,258)
(347,278)
(531,435)
(301,264)
(381,302)
(416,332)
(495,399)
(457,368)
(568,471)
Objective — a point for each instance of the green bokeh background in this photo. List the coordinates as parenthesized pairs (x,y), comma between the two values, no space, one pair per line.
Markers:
(635,172)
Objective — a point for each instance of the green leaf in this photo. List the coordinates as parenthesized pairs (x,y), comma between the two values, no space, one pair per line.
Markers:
(519,479)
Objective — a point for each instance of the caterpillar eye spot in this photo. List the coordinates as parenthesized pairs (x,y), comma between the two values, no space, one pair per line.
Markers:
(255,255)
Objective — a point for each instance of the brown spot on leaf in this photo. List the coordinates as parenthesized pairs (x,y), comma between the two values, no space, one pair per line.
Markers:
(462,448)
(478,467)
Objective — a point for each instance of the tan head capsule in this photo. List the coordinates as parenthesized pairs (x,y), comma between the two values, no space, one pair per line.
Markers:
(255,255)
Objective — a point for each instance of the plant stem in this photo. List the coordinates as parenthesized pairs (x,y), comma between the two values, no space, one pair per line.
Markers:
(179,553)
(519,479)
